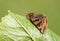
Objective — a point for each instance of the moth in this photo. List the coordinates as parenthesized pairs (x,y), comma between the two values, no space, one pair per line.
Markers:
(39,20)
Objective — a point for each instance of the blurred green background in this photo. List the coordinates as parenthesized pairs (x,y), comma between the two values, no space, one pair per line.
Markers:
(49,7)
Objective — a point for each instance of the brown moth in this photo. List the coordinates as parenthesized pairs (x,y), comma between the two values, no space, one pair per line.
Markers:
(39,20)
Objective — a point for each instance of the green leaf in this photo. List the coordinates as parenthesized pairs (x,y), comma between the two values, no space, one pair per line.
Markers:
(15,27)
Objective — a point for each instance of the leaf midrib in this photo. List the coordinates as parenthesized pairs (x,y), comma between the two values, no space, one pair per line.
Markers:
(21,25)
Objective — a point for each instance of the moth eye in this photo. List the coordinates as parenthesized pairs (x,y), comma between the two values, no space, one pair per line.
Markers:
(31,14)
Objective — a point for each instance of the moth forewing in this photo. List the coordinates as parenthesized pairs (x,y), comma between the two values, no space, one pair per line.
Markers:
(39,20)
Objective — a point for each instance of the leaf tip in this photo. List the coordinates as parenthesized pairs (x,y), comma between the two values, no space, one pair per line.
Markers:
(9,11)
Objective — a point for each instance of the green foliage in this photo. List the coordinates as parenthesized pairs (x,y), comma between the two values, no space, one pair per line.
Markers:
(14,27)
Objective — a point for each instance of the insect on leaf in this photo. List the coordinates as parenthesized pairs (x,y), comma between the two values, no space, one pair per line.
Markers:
(15,27)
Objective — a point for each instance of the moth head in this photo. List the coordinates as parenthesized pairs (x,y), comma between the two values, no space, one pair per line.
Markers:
(30,15)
